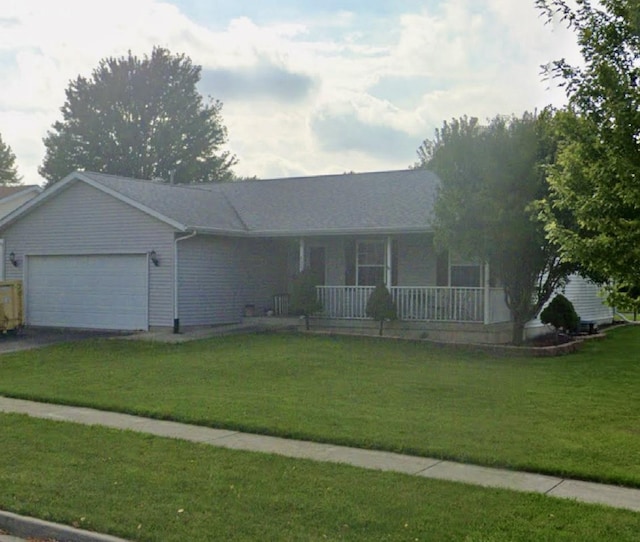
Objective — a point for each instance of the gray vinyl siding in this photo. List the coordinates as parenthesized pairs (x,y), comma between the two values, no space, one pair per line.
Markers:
(84,220)
(218,276)
(209,286)
(263,270)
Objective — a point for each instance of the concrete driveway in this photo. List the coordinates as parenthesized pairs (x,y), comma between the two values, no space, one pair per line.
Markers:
(30,338)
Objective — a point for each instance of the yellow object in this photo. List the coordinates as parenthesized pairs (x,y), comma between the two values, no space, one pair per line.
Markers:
(11,313)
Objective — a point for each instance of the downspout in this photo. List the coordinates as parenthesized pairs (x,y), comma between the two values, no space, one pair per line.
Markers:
(176,315)
(301,253)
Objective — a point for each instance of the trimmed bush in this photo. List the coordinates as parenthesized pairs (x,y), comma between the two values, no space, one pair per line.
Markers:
(381,307)
(304,299)
(560,314)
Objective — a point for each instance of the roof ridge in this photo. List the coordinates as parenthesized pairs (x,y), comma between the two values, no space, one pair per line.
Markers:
(235,210)
(152,181)
(325,175)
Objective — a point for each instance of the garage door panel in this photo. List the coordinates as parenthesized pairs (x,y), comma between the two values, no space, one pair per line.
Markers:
(98,292)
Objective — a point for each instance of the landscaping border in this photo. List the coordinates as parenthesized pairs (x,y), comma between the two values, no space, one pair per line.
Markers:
(495,349)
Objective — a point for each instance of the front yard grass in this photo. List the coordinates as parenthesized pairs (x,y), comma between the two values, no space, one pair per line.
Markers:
(573,416)
(152,489)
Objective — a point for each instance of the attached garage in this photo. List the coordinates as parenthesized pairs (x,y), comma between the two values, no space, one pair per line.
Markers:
(106,291)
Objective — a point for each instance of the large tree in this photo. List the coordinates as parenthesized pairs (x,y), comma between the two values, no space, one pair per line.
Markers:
(491,177)
(141,118)
(596,178)
(8,168)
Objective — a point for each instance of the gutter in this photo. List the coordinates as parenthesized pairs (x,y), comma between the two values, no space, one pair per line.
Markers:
(176,315)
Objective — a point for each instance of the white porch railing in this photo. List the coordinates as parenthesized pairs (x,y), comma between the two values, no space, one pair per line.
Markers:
(434,303)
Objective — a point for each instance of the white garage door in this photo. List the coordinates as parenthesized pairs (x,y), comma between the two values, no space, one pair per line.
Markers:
(95,292)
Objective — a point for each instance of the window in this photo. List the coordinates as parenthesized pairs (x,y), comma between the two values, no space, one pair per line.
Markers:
(465,276)
(370,260)
(451,270)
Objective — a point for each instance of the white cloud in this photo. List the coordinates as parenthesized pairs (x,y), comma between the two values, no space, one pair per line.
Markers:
(402,76)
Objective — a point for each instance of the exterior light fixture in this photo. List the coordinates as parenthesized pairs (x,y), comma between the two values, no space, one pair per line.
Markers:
(12,259)
(154,258)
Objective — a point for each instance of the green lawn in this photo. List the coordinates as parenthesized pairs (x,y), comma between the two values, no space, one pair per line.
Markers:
(152,489)
(575,415)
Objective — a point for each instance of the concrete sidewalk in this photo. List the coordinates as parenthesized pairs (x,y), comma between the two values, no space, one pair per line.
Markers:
(610,495)
(588,492)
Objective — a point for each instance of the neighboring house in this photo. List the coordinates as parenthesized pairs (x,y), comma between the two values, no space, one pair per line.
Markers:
(106,252)
(587,301)
(12,197)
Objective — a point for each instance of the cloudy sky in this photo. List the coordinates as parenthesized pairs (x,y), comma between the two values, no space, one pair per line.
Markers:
(309,87)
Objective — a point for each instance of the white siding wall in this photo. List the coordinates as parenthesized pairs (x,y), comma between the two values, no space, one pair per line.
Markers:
(585,297)
(586,300)
(83,220)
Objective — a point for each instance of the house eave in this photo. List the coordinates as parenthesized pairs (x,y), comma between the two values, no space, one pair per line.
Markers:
(324,232)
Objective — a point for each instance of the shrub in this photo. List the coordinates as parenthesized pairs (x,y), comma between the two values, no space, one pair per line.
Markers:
(560,314)
(380,306)
(304,299)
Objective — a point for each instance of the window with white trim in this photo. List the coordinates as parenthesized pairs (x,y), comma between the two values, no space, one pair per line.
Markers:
(464,273)
(465,276)
(370,262)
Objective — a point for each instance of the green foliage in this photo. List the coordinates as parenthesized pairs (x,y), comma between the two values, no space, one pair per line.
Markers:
(8,168)
(140,118)
(595,180)
(381,306)
(560,314)
(304,298)
(624,297)
(491,176)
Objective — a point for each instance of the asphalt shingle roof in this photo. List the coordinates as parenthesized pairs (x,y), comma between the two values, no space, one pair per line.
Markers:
(191,206)
(391,201)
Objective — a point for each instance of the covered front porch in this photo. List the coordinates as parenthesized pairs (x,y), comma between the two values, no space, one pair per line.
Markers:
(427,285)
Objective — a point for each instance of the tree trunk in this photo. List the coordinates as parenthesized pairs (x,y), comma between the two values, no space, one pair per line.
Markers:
(380,331)
(517,332)
(306,322)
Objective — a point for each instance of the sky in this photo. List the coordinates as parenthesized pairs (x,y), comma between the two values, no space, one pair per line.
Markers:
(308,87)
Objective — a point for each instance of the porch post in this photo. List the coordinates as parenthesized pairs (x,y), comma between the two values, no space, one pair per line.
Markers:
(301,254)
(487,292)
(388,266)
